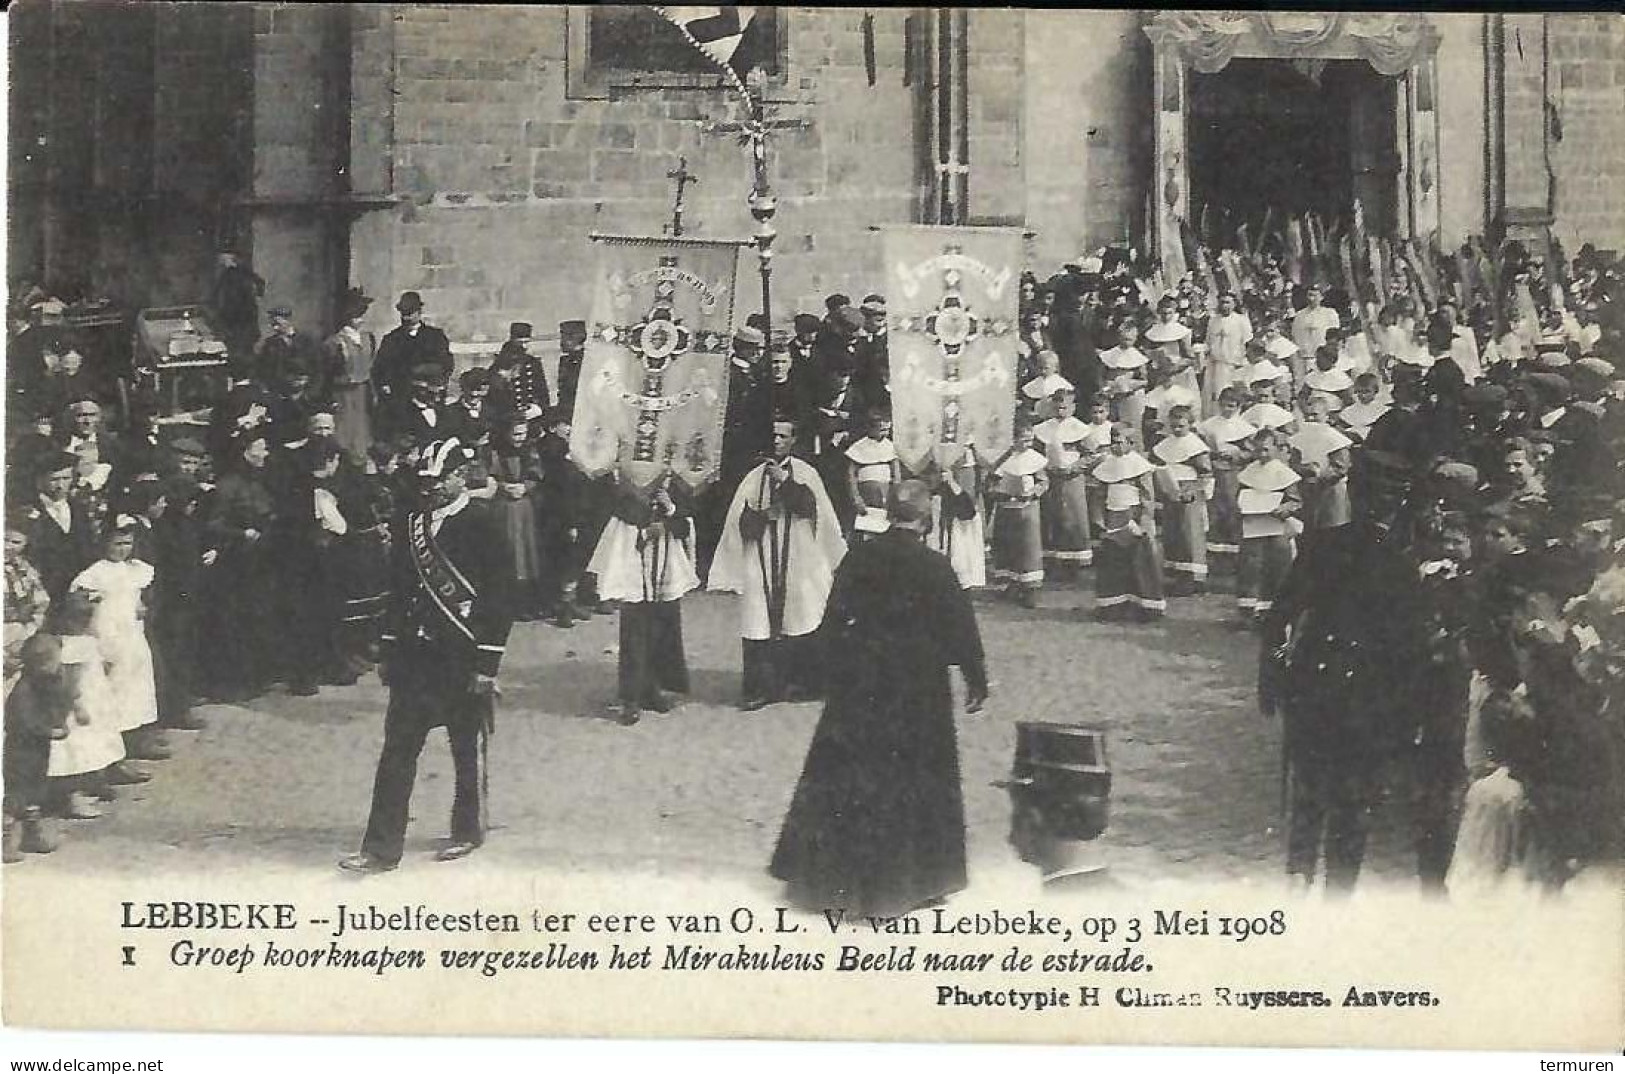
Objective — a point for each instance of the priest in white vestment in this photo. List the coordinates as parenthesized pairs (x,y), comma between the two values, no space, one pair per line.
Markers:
(780,544)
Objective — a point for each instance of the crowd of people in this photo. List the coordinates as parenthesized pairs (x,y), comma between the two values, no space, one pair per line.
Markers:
(1245,423)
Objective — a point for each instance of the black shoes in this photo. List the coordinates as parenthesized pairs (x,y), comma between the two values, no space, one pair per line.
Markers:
(366,862)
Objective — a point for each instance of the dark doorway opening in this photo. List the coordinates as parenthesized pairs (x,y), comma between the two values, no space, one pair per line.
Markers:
(1292,137)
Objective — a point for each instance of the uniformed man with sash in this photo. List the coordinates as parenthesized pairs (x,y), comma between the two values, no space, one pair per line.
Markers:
(443,640)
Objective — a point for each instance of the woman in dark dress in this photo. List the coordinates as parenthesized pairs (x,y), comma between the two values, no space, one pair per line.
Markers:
(241,585)
(515,465)
(877,824)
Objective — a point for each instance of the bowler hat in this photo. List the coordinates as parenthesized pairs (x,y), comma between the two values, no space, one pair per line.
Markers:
(409,302)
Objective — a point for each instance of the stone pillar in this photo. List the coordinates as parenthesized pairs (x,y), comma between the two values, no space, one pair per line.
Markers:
(1523,212)
(296,178)
(994,121)
(372,158)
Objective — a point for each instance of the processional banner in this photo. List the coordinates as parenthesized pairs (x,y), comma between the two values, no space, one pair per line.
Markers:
(654,380)
(953,295)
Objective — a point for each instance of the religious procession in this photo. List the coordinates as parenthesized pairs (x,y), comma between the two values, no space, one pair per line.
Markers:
(1381,470)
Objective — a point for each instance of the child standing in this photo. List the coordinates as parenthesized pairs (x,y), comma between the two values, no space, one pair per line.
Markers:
(872,469)
(1125,376)
(1181,487)
(1038,393)
(1359,416)
(1226,435)
(1320,455)
(1019,482)
(1070,447)
(26,601)
(37,711)
(91,756)
(956,529)
(119,582)
(1269,503)
(1099,439)
(1128,568)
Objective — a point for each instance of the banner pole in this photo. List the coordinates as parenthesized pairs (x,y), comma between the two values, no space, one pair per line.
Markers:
(763,206)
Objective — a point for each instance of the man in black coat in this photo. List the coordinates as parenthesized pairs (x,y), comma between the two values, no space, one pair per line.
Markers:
(236,306)
(572,352)
(1344,648)
(445,632)
(417,411)
(61,534)
(405,348)
(285,351)
(877,823)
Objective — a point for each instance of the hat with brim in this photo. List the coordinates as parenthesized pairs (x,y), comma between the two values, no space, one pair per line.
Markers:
(1484,395)
(356,303)
(1592,375)
(1551,389)
(409,302)
(441,457)
(751,337)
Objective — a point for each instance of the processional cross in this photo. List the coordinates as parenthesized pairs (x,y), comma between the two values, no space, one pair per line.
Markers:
(682,177)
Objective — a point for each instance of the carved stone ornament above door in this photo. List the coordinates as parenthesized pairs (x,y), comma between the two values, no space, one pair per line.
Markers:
(1208,40)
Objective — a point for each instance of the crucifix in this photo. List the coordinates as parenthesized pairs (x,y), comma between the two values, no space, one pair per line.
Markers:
(682,177)
(763,203)
(948,174)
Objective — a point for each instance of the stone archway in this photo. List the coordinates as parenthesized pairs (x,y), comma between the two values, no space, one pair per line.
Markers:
(1400,46)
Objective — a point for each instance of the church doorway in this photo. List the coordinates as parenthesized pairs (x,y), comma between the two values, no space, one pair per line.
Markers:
(1292,138)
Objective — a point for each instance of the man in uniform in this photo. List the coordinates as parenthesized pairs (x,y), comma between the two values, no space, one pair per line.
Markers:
(403,349)
(780,545)
(1344,648)
(444,636)
(284,350)
(518,380)
(572,352)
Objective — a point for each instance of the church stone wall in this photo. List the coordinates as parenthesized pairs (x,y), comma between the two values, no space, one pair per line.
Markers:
(503,175)
(1587,84)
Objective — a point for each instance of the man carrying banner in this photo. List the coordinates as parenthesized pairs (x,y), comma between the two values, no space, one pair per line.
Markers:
(781,541)
(444,635)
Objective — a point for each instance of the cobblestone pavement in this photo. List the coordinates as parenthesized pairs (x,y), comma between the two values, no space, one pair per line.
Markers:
(284,782)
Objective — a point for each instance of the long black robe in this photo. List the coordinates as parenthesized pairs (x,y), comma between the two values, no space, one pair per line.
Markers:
(877,823)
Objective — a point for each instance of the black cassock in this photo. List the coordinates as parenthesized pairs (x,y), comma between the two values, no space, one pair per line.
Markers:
(877,823)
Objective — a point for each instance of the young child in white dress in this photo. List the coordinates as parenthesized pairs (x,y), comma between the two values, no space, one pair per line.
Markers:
(85,761)
(120,583)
